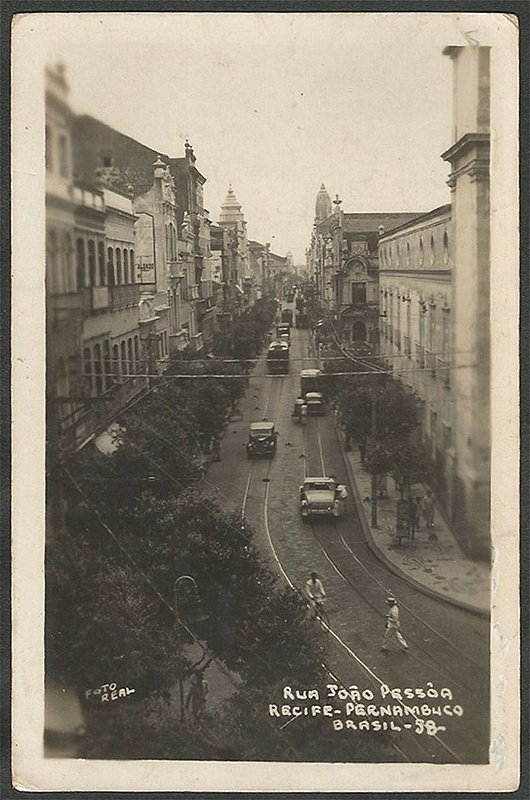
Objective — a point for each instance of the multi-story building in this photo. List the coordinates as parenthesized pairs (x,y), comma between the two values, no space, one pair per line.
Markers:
(172,229)
(344,263)
(237,266)
(63,295)
(434,276)
(259,266)
(416,298)
(469,158)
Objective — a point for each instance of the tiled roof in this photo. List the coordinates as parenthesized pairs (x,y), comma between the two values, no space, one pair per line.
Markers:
(370,222)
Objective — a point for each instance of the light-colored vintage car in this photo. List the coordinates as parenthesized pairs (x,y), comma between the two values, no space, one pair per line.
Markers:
(319,496)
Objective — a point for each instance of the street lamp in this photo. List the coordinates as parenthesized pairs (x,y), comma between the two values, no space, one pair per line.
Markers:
(198,618)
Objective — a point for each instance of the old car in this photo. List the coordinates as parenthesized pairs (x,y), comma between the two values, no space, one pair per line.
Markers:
(320,496)
(261,439)
(315,403)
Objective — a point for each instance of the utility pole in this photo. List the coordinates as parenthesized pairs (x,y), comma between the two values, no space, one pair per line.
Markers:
(373,435)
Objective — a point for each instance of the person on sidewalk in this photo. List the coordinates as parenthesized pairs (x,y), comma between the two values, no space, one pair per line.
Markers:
(428,509)
(413,517)
(392,628)
(315,593)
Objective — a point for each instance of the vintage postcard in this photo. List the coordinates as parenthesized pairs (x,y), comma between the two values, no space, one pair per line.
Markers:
(265,359)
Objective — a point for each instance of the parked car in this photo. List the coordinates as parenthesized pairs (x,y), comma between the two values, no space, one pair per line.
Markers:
(320,496)
(261,439)
(315,403)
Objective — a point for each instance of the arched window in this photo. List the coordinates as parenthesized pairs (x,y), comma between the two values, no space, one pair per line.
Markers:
(80,266)
(131,265)
(92,261)
(422,254)
(87,369)
(137,355)
(130,357)
(98,369)
(66,259)
(107,366)
(123,360)
(110,266)
(119,276)
(125,265)
(408,254)
(432,251)
(116,362)
(101,264)
(446,248)
(398,255)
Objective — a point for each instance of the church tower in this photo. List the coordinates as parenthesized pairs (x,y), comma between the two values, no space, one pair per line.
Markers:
(322,205)
(231,212)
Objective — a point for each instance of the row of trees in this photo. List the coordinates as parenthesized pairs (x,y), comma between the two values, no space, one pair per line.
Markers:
(382,416)
(135,522)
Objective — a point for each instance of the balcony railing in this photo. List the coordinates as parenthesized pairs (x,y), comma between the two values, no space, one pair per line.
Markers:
(124,296)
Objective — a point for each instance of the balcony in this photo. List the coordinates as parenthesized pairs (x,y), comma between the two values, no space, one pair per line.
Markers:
(197,342)
(126,296)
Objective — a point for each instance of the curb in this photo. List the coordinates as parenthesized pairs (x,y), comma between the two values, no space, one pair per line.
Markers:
(379,554)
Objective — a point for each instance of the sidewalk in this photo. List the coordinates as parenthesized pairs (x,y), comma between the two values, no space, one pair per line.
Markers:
(439,567)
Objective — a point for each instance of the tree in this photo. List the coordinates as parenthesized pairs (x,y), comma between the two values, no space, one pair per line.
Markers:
(396,409)
(406,461)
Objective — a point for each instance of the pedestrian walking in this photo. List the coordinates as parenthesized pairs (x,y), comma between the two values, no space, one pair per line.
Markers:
(413,517)
(419,513)
(428,509)
(393,626)
(197,694)
(315,593)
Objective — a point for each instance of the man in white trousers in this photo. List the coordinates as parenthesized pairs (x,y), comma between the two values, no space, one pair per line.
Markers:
(392,629)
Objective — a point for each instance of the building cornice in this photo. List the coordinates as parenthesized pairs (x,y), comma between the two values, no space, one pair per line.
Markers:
(464,144)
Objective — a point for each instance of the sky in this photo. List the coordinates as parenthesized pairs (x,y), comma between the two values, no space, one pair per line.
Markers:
(276,104)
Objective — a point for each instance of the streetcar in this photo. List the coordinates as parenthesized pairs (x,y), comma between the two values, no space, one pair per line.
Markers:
(278,358)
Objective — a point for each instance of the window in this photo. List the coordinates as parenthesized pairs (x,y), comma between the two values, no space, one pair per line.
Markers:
(408,254)
(358,293)
(110,266)
(48,148)
(433,254)
(422,254)
(87,369)
(119,276)
(123,360)
(67,264)
(130,356)
(101,264)
(131,265)
(446,248)
(398,256)
(98,369)
(116,363)
(92,262)
(125,266)
(63,156)
(80,267)
(106,158)
(107,377)
(137,354)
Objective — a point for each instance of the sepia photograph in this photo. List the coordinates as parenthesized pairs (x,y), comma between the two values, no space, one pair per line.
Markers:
(270,376)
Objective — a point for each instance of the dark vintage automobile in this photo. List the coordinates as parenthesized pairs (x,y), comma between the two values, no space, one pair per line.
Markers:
(261,439)
(315,403)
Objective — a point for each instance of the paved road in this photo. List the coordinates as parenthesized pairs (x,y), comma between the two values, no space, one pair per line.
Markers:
(448,646)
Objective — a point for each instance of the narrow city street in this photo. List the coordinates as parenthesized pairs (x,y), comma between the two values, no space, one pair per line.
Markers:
(448,646)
